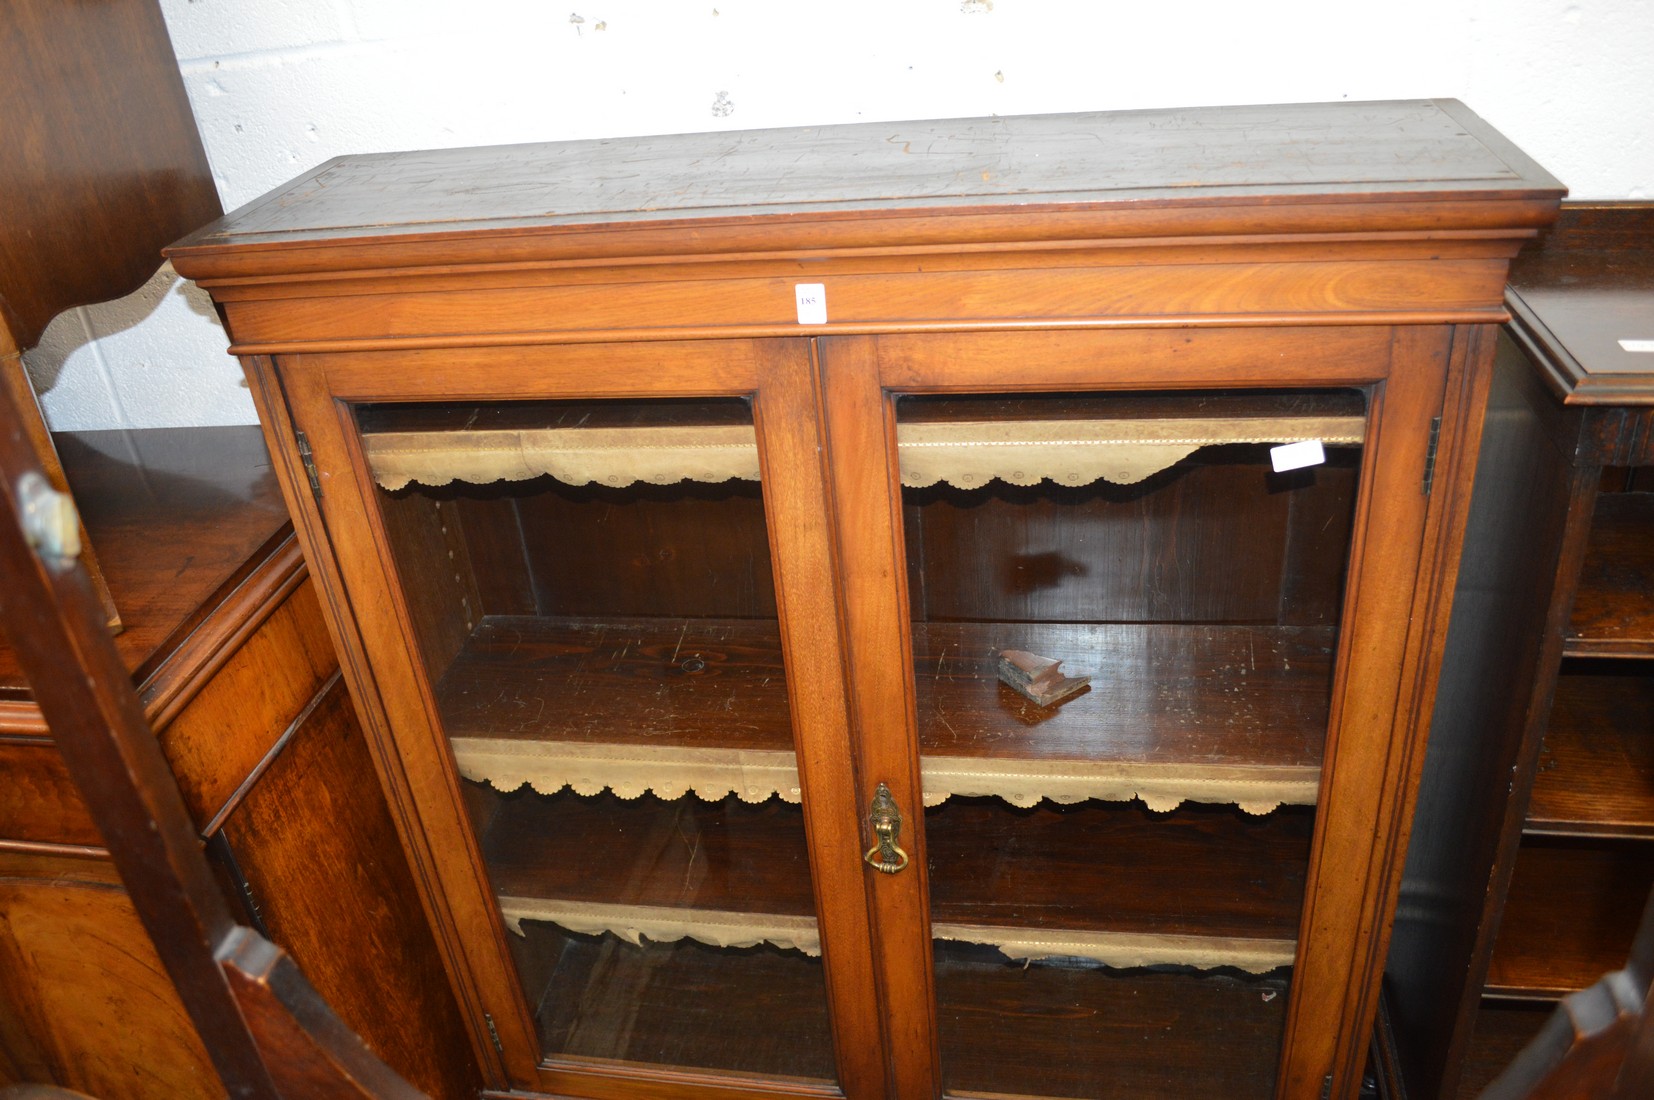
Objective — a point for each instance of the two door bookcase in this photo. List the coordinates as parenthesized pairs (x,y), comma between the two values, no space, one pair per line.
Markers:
(676,500)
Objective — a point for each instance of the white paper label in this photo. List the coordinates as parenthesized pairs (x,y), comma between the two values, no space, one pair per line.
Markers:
(1295,456)
(1638,345)
(812,303)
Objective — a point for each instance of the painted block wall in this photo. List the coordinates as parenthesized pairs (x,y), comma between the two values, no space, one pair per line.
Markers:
(280,85)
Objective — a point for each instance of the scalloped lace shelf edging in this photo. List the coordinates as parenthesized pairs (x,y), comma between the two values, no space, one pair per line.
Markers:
(963,454)
(722,928)
(756,775)
(1126,949)
(664,924)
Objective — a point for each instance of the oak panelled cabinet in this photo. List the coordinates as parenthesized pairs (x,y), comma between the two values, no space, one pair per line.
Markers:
(674,500)
(223,633)
(228,650)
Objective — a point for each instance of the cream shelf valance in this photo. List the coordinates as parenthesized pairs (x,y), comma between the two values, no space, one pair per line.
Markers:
(965,454)
(721,928)
(756,775)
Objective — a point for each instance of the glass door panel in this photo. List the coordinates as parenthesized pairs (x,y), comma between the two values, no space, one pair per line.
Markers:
(591,593)
(1124,621)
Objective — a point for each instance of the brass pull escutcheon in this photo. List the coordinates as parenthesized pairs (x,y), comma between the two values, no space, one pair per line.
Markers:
(886,855)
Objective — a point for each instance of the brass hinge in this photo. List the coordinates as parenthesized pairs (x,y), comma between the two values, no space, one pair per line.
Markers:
(309,460)
(1430,454)
(493,1032)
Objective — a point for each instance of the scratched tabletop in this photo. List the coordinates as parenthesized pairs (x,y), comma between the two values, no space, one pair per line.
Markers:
(1324,151)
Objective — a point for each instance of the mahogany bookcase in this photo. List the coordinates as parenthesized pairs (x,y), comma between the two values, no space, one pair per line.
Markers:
(673,500)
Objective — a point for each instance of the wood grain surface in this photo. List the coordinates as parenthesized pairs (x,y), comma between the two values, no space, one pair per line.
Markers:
(1525,525)
(103,163)
(1582,290)
(1085,1032)
(757,1011)
(1596,771)
(1182,549)
(42,804)
(318,849)
(1613,613)
(1006,162)
(1519,715)
(1096,866)
(221,740)
(178,515)
(96,1011)
(1161,693)
(1570,915)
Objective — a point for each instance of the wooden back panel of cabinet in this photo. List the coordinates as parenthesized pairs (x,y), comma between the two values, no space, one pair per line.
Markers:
(1556,568)
(1049,255)
(228,648)
(102,167)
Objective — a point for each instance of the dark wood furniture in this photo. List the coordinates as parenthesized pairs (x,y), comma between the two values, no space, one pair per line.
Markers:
(1599,1041)
(224,639)
(1531,854)
(267,1031)
(226,645)
(673,498)
(102,167)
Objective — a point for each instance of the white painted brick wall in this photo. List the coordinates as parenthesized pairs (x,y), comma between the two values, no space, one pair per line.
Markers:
(280,85)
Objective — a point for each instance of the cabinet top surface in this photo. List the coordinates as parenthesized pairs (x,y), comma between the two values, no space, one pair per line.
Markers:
(1584,297)
(180,517)
(1387,152)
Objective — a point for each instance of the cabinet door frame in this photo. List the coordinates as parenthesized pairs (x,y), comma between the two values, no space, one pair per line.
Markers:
(1424,385)
(343,531)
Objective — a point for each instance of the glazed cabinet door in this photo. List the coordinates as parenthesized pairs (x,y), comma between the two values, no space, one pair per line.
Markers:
(594,587)
(1162,867)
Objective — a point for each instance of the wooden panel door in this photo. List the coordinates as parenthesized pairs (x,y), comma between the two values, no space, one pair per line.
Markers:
(1176,880)
(594,585)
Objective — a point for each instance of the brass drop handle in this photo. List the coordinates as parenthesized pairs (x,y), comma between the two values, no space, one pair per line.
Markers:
(886,856)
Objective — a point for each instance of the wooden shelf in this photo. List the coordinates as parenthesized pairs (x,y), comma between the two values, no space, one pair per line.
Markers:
(1088,880)
(1198,871)
(1226,706)
(179,517)
(1055,1031)
(681,1005)
(1596,770)
(1205,713)
(1613,612)
(1570,915)
(648,852)
(1081,1031)
(694,683)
